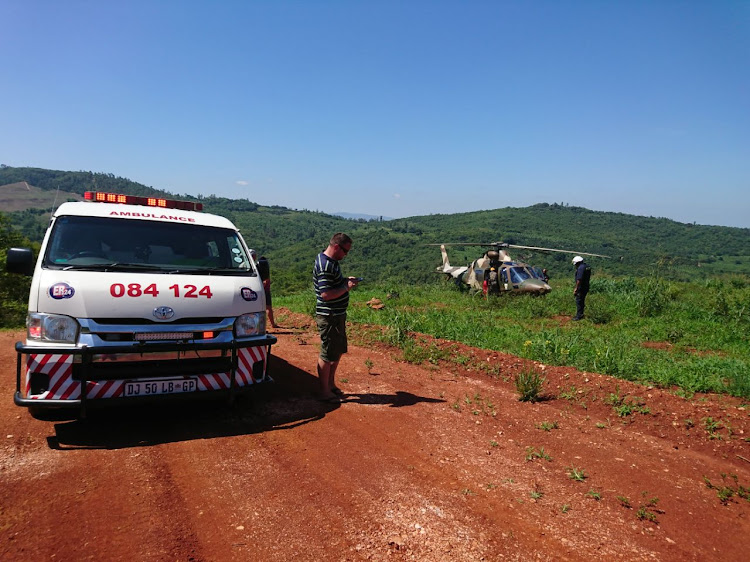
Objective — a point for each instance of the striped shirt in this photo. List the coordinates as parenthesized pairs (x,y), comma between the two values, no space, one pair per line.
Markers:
(327,276)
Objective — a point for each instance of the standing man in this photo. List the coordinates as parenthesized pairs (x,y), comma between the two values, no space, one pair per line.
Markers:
(583,275)
(331,302)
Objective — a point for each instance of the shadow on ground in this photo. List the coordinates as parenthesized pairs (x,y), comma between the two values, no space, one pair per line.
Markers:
(287,403)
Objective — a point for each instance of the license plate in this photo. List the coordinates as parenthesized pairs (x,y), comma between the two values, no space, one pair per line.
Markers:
(154,387)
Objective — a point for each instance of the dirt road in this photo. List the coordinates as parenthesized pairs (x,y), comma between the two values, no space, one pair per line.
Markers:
(419,462)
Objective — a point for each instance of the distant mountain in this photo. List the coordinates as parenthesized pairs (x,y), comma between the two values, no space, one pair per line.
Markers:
(360,216)
(20,196)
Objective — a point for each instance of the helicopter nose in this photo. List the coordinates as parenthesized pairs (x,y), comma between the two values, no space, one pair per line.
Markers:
(537,287)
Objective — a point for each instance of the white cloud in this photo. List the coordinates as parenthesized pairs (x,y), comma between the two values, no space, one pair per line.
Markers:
(242,182)
(397,196)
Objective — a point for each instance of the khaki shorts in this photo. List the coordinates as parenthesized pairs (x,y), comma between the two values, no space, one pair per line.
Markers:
(332,330)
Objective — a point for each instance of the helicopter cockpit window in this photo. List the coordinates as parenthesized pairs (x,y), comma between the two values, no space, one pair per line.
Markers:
(519,274)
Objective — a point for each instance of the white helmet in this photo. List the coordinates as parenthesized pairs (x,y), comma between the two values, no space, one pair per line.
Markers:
(577,259)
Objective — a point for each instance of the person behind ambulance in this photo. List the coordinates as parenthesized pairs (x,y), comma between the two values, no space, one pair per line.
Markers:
(263,263)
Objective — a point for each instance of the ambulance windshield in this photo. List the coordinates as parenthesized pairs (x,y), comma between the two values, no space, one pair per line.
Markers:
(99,242)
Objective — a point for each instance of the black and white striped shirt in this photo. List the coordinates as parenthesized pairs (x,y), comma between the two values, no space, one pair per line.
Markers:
(326,277)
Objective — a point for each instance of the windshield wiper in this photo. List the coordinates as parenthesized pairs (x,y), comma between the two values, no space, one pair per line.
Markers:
(118,266)
(210,270)
(133,266)
(114,266)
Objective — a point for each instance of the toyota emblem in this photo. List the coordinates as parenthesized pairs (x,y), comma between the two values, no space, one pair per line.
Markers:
(163,312)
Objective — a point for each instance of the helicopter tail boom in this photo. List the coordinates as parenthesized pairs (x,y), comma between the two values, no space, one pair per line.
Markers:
(447,268)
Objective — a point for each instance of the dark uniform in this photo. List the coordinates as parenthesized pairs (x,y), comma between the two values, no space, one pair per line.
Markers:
(583,276)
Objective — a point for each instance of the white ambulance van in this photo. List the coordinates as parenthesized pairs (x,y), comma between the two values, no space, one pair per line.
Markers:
(136,298)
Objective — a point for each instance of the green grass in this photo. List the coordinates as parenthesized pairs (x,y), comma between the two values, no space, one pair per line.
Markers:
(691,336)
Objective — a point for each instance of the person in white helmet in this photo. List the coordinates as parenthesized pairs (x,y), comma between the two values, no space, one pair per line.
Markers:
(583,275)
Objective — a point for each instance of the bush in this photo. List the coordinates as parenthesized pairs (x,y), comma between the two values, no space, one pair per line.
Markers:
(529,385)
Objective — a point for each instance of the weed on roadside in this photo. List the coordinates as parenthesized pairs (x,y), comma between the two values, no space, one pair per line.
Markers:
(624,406)
(569,394)
(548,426)
(647,509)
(729,488)
(536,493)
(577,474)
(712,427)
(476,405)
(532,454)
(529,385)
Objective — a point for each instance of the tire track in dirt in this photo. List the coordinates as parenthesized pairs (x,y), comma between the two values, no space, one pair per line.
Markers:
(163,518)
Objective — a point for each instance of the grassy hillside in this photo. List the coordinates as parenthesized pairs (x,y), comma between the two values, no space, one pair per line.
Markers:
(689,336)
(394,251)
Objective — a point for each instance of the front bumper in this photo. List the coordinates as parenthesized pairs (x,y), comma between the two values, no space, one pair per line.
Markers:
(77,377)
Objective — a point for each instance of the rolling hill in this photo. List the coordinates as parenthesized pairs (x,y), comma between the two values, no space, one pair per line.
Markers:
(393,251)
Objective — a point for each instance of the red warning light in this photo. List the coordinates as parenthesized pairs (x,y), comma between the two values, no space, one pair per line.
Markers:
(104,197)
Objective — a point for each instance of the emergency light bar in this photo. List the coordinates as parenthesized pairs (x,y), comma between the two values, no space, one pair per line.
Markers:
(102,197)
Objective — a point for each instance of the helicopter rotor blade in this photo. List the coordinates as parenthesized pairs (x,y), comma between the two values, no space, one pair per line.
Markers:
(492,244)
(506,245)
(557,250)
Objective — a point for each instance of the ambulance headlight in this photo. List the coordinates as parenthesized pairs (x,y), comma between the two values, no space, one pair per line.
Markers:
(250,324)
(51,328)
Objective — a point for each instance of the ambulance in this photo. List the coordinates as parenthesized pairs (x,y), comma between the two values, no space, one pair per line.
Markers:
(139,299)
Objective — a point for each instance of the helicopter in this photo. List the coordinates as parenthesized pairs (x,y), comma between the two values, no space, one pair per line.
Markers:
(496,272)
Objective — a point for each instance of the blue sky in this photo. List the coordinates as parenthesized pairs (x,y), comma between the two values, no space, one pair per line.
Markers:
(394,108)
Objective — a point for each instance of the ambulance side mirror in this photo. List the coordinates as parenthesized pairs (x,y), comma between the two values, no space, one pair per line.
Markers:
(20,260)
(264,269)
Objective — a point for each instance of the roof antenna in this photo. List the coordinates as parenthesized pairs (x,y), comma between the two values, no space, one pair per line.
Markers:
(52,210)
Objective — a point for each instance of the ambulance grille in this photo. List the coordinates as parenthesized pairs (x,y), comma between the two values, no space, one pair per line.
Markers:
(146,369)
(203,320)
